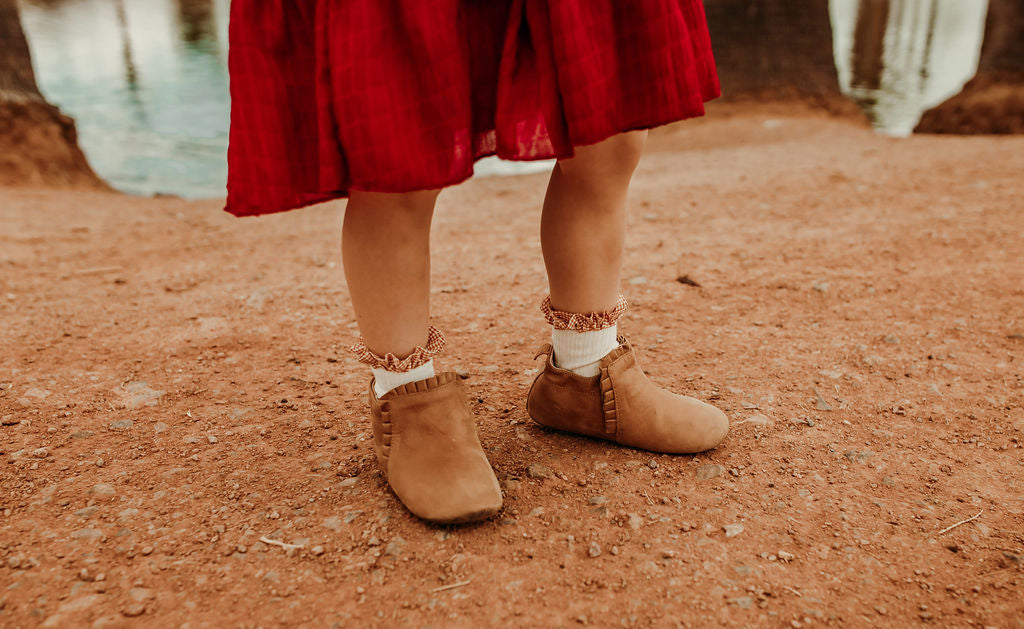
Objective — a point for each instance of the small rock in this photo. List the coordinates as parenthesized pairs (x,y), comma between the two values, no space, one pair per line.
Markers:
(211,438)
(9,420)
(872,360)
(732,530)
(87,534)
(891,339)
(103,491)
(858,456)
(711,470)
(121,424)
(133,610)
(652,464)
(597,500)
(743,602)
(395,547)
(159,427)
(333,522)
(317,550)
(537,470)
(639,279)
(820,402)
(41,453)
(137,394)
(489,368)
(594,550)
(786,556)
(821,287)
(86,512)
(634,521)
(140,594)
(758,420)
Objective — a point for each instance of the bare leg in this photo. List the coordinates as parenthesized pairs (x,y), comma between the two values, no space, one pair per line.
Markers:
(385,246)
(582,229)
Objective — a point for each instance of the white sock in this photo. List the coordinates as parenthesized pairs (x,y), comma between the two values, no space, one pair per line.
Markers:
(384,380)
(581,352)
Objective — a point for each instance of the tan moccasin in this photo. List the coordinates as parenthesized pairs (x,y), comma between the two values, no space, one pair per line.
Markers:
(622,405)
(427,446)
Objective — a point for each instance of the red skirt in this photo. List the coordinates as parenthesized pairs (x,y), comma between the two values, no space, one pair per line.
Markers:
(329,96)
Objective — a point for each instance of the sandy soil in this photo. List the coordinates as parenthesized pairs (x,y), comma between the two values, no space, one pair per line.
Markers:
(175,387)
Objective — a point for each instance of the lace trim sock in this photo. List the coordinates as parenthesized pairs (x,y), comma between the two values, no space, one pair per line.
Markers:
(581,340)
(391,371)
(384,380)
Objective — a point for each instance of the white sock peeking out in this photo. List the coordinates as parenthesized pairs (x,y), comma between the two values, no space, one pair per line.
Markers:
(581,352)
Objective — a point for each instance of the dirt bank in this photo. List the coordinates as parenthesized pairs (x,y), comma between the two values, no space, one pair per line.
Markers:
(174,387)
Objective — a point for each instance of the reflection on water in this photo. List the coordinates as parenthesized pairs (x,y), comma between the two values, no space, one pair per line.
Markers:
(899,58)
(146,83)
(146,80)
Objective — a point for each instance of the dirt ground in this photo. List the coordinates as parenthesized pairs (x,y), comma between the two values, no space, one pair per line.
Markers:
(175,387)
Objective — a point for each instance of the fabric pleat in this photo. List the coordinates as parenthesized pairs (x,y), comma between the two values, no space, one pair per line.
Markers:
(330,96)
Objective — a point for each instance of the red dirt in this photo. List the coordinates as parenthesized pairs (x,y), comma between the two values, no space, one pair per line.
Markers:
(175,385)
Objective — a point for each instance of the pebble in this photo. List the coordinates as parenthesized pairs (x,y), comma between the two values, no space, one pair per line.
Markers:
(395,547)
(87,534)
(133,610)
(732,530)
(9,420)
(121,424)
(743,602)
(820,402)
(86,512)
(634,522)
(594,550)
(786,556)
(537,470)
(140,594)
(597,500)
(652,464)
(159,427)
(41,453)
(137,394)
(711,470)
(858,456)
(103,491)
(317,550)
(211,438)
(639,279)
(333,522)
(758,420)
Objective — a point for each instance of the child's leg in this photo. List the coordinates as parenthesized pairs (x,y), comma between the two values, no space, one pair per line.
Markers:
(386,253)
(582,229)
(582,235)
(385,247)
(592,384)
(423,432)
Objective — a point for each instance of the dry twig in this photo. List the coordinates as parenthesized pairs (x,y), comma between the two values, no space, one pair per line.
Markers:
(451,586)
(274,542)
(951,527)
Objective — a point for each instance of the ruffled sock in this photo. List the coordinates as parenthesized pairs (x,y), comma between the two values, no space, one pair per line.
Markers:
(390,371)
(581,340)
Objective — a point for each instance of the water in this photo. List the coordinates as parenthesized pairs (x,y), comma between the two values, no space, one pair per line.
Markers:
(899,58)
(146,80)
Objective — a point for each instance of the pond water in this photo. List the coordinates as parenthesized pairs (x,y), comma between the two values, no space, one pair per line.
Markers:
(146,81)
